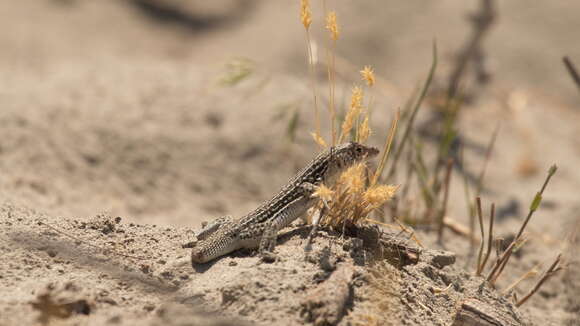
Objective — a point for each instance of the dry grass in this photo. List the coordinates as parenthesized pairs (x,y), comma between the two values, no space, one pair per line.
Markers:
(354,195)
(357,192)
(350,200)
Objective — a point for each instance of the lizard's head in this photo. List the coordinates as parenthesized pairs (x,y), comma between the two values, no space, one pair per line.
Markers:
(216,245)
(350,153)
(347,154)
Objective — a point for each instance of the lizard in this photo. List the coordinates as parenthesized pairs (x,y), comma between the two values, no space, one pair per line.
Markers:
(259,228)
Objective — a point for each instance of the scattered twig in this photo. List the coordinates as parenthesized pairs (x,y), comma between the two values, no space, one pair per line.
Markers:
(552,270)
(410,232)
(529,274)
(458,228)
(572,70)
(438,291)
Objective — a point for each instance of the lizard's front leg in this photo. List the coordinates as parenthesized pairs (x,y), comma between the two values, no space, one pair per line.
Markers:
(279,220)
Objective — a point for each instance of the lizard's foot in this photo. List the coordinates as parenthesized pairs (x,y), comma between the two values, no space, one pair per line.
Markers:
(307,188)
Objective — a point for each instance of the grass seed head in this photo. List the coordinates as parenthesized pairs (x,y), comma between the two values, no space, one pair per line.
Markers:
(356,99)
(368,75)
(319,140)
(375,196)
(364,130)
(305,13)
(332,25)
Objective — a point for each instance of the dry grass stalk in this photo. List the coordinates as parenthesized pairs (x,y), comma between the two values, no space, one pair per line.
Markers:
(414,111)
(468,201)
(400,226)
(445,200)
(482,241)
(529,274)
(306,19)
(537,200)
(332,27)
(552,270)
(368,76)
(488,151)
(516,247)
(386,149)
(518,240)
(489,239)
(572,71)
(500,261)
(410,232)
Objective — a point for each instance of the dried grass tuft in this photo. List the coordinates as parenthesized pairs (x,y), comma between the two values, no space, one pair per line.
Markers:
(350,200)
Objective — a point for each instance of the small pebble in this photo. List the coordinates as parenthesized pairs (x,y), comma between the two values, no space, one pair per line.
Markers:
(149,307)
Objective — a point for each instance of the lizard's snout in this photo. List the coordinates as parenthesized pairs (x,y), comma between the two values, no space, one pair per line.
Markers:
(198,257)
(372,151)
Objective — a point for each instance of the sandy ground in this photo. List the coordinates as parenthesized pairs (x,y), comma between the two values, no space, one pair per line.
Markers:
(109,110)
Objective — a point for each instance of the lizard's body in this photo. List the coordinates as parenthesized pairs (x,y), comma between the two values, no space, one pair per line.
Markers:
(259,228)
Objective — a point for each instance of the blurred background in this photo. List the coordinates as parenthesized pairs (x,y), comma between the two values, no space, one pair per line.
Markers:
(172,112)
